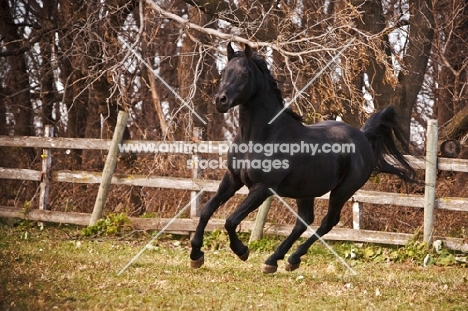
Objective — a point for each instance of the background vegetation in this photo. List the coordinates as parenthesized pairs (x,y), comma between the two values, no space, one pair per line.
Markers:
(74,64)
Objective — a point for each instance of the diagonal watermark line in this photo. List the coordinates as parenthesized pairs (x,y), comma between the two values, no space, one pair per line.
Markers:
(137,55)
(314,233)
(318,74)
(148,245)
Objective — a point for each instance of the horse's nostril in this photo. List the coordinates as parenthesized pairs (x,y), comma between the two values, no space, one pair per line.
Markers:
(223,99)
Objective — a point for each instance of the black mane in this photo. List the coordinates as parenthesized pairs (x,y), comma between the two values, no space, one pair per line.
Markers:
(260,62)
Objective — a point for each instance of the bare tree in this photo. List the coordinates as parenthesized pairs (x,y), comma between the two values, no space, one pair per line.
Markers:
(15,100)
(451,59)
(74,64)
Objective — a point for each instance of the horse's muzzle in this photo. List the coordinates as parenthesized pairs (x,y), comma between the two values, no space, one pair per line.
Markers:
(222,103)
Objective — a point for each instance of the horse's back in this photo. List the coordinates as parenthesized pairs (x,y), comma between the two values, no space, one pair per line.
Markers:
(353,150)
(334,132)
(337,152)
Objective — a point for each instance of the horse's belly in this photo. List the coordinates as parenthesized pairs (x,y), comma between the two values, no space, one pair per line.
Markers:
(305,188)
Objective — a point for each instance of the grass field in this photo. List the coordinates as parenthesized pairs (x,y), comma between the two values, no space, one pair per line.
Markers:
(55,268)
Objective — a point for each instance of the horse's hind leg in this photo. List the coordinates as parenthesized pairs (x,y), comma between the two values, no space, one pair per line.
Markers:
(329,221)
(305,209)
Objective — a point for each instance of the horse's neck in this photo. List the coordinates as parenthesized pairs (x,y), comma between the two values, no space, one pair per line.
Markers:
(253,120)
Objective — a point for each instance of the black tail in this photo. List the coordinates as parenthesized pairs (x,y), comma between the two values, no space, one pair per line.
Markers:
(382,131)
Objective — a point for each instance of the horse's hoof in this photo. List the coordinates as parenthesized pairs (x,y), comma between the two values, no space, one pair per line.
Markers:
(198,262)
(291,267)
(245,256)
(266,269)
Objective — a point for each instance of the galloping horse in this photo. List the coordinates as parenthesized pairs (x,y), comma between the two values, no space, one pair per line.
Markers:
(302,175)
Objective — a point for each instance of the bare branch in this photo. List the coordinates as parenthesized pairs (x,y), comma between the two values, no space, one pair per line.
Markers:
(277,46)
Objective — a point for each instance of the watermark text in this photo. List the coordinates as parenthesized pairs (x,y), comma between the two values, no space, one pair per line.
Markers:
(259,155)
(268,149)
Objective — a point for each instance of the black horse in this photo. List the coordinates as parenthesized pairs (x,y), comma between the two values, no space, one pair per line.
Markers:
(344,158)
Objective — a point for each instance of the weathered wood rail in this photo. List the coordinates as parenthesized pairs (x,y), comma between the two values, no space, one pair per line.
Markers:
(361,196)
(196,184)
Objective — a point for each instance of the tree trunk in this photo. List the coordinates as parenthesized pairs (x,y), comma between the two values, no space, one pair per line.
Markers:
(402,94)
(421,36)
(47,90)
(198,79)
(168,32)
(16,90)
(452,93)
(457,127)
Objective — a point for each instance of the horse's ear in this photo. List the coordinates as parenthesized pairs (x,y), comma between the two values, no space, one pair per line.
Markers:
(248,52)
(230,51)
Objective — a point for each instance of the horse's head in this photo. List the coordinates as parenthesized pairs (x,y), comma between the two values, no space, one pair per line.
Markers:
(237,81)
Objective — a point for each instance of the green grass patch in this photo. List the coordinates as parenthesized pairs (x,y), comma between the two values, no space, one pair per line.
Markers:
(58,268)
(112,224)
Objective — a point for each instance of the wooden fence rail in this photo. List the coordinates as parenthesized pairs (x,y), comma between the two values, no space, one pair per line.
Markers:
(196,184)
(361,196)
(189,224)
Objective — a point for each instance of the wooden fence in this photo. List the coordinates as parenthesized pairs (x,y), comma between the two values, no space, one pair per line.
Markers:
(195,184)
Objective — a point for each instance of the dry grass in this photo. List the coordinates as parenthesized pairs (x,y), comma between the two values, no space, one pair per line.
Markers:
(53,269)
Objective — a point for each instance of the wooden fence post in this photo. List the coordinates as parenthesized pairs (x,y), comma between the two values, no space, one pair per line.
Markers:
(357,212)
(45,172)
(430,180)
(109,167)
(257,232)
(196,174)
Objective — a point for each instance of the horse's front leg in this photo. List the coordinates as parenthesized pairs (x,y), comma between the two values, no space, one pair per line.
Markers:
(257,194)
(227,188)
